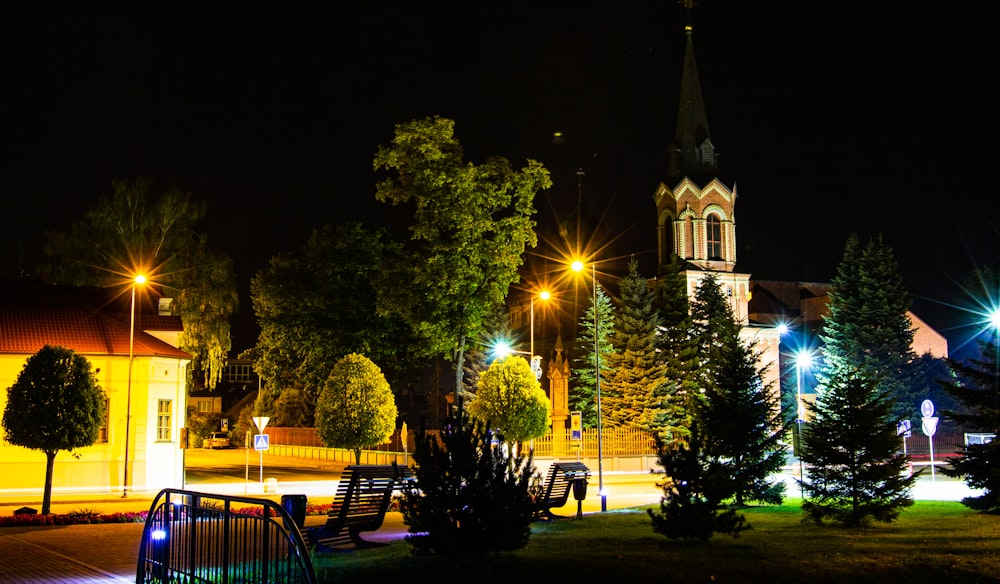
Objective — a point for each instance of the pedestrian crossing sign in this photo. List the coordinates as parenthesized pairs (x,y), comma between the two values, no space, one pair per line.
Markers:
(260,441)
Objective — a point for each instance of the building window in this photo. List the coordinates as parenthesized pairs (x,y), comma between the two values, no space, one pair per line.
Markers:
(102,432)
(713,237)
(237,373)
(163,413)
(204,406)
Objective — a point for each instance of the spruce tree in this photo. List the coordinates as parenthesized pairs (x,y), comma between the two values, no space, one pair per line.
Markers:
(583,389)
(678,352)
(976,388)
(636,374)
(854,472)
(868,324)
(694,492)
(741,417)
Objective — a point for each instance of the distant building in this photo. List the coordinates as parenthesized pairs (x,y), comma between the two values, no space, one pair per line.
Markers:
(95,323)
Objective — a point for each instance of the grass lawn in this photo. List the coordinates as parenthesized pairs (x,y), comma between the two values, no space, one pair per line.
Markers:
(931,542)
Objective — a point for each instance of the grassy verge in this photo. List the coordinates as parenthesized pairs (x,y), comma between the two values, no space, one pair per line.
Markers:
(931,542)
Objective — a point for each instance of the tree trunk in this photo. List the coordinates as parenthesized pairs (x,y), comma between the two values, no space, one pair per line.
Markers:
(50,462)
(459,362)
(357,456)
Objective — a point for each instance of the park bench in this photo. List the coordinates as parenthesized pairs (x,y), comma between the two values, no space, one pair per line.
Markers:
(359,504)
(557,485)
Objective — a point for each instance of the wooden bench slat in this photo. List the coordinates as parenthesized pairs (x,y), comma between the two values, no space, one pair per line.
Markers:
(360,502)
(558,482)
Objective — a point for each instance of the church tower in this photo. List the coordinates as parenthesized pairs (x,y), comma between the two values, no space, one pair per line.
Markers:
(695,209)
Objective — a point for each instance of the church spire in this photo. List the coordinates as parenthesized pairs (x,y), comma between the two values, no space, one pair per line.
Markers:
(692,153)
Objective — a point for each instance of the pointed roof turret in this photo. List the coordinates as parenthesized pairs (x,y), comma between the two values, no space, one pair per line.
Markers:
(692,153)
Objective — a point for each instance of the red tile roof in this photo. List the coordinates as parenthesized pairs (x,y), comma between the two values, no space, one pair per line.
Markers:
(34,314)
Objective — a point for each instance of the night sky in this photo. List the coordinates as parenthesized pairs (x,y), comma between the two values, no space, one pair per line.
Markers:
(830,118)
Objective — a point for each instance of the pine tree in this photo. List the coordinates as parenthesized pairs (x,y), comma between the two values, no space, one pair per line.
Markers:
(741,417)
(854,474)
(694,491)
(636,374)
(976,388)
(678,352)
(868,324)
(851,445)
(583,390)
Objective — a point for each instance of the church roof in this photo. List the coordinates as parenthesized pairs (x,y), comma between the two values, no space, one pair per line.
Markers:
(692,153)
(34,314)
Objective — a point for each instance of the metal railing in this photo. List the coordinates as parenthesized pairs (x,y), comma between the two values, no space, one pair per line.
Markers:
(192,537)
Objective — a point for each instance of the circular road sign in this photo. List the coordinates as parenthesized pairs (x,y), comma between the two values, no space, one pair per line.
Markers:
(927,408)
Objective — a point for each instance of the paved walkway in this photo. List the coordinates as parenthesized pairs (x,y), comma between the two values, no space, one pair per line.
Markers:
(107,553)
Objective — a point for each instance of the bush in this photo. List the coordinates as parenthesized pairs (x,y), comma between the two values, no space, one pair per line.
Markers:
(470,495)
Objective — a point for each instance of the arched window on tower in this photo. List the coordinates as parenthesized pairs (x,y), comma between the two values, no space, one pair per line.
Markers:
(713,237)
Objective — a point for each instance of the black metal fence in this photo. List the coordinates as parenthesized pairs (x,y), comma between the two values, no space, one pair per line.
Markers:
(193,537)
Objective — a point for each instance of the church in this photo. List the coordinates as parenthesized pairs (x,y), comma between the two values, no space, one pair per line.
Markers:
(696,221)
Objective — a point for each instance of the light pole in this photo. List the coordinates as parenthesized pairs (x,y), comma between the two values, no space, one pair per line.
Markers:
(543,295)
(803,360)
(139,279)
(577,267)
(536,362)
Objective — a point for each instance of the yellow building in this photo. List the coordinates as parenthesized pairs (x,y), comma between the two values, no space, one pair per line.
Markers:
(96,324)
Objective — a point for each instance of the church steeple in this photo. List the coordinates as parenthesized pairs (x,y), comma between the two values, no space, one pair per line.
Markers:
(692,153)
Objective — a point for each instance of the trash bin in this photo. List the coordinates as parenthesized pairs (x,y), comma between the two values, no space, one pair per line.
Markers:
(579,493)
(295,506)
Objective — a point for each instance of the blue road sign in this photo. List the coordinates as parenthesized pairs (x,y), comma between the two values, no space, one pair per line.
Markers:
(260,441)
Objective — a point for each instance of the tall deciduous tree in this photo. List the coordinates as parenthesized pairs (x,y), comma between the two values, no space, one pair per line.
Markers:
(740,416)
(583,389)
(976,388)
(356,408)
(511,400)
(134,231)
(318,304)
(55,404)
(471,226)
(636,382)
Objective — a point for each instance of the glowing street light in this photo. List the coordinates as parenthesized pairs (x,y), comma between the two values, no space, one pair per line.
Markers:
(543,295)
(137,281)
(577,266)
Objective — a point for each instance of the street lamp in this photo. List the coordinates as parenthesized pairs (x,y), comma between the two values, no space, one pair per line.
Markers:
(577,266)
(543,295)
(803,360)
(138,280)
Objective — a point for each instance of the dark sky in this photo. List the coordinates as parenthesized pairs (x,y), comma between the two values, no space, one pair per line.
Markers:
(830,117)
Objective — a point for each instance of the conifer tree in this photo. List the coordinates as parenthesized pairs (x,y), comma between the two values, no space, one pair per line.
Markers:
(694,491)
(677,351)
(583,390)
(854,473)
(976,388)
(741,417)
(636,375)
(868,324)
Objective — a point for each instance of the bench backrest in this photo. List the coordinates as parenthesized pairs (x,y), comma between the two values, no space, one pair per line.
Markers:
(364,492)
(560,478)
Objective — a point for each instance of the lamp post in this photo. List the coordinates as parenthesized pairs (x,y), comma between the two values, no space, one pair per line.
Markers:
(139,279)
(995,323)
(803,360)
(577,267)
(543,295)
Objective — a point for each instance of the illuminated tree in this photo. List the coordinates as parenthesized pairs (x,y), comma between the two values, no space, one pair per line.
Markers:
(636,385)
(511,400)
(356,408)
(318,304)
(133,231)
(55,404)
(583,386)
(471,225)
(678,351)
